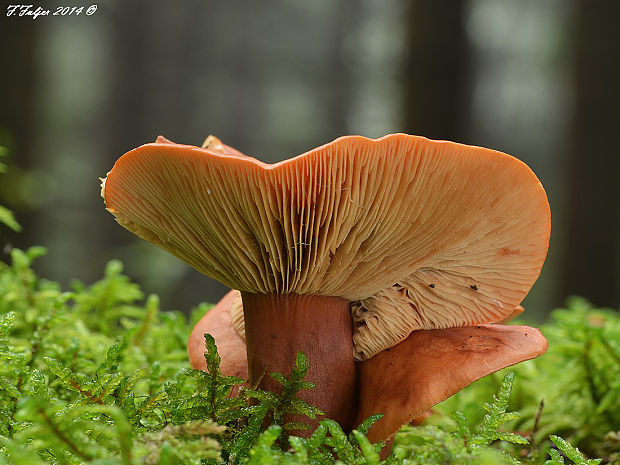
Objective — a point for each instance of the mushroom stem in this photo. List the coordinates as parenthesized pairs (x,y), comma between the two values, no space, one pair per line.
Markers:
(278,326)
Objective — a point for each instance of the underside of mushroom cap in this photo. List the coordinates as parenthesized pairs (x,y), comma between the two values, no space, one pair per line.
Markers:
(437,233)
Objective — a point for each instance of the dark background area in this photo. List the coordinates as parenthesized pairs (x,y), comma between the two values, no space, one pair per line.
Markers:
(539,79)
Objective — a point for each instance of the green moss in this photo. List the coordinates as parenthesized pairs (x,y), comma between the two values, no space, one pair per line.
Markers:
(100,376)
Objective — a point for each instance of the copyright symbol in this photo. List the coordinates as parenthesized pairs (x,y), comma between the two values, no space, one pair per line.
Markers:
(91,10)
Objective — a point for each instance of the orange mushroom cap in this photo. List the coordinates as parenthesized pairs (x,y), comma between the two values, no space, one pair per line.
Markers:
(231,347)
(430,366)
(417,234)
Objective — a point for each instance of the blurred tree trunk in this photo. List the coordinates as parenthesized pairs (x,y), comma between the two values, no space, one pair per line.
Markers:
(19,81)
(436,73)
(130,79)
(593,238)
(339,82)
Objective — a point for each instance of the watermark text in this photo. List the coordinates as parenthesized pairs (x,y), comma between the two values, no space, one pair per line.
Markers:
(34,12)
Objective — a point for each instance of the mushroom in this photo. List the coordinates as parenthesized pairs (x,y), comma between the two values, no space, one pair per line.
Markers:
(344,251)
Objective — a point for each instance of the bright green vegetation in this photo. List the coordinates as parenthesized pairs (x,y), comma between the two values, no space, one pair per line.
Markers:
(99,376)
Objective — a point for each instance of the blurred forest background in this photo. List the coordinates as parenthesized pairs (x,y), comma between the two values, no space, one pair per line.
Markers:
(539,79)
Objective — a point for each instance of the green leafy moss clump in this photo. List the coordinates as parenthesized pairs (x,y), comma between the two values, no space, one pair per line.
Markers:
(94,376)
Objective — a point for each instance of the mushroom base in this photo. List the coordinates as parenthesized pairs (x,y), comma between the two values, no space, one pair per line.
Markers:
(277,327)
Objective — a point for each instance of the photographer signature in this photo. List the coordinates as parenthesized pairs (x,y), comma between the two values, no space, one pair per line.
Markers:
(30,11)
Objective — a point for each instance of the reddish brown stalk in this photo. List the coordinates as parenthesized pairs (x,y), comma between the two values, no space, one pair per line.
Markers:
(277,327)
